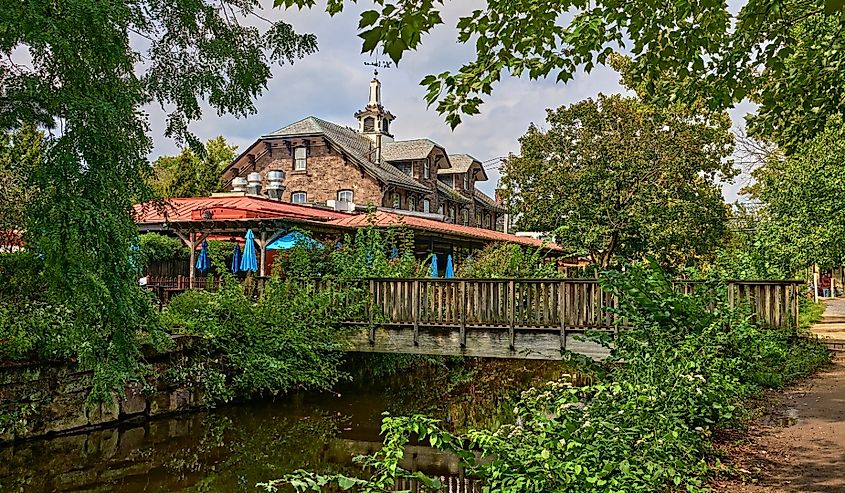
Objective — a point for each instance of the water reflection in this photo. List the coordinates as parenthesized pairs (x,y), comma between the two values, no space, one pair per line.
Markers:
(227,450)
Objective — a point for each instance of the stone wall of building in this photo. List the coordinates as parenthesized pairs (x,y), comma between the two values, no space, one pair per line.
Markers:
(326,173)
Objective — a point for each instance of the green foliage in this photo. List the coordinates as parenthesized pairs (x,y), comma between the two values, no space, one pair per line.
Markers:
(83,77)
(191,174)
(286,339)
(802,196)
(20,154)
(616,177)
(155,247)
(810,312)
(747,252)
(499,260)
(785,56)
(679,373)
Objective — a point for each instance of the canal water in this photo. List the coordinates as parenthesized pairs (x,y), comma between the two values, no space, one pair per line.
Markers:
(225,450)
(231,448)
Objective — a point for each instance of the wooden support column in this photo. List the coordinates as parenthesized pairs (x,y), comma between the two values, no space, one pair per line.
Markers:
(262,245)
(463,308)
(512,308)
(415,309)
(191,241)
(371,311)
(561,299)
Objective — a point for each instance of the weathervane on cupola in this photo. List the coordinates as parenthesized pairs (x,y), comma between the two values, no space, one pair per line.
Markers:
(373,120)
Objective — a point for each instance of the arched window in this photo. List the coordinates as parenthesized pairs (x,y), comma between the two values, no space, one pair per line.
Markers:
(465,217)
(466,181)
(299,197)
(426,206)
(369,124)
(412,204)
(396,201)
(452,214)
(300,155)
(440,209)
(426,169)
(477,219)
(486,220)
(344,195)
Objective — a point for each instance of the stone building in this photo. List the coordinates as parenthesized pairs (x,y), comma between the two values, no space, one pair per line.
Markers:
(329,164)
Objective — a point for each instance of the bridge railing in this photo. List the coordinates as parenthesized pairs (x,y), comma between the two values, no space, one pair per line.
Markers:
(573,304)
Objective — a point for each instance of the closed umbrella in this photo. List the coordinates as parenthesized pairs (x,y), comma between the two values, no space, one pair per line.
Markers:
(450,269)
(434,270)
(203,263)
(394,254)
(248,260)
(236,259)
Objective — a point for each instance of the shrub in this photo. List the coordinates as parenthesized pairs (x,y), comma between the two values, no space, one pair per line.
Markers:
(499,260)
(155,247)
(677,374)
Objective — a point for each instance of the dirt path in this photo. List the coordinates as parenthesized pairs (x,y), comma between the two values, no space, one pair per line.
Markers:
(799,446)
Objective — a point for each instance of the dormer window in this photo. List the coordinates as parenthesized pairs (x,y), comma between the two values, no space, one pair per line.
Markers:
(466,181)
(300,156)
(369,124)
(385,125)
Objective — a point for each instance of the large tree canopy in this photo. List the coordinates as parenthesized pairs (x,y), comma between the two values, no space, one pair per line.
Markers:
(618,177)
(787,56)
(83,69)
(191,174)
(804,220)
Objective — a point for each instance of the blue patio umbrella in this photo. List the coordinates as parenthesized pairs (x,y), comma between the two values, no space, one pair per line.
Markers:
(434,269)
(236,259)
(135,256)
(203,263)
(450,269)
(248,260)
(293,239)
(394,254)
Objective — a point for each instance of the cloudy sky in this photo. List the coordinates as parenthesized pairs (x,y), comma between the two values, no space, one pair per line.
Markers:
(333,83)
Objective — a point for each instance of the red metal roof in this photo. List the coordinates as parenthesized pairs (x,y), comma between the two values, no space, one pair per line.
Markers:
(231,207)
(389,219)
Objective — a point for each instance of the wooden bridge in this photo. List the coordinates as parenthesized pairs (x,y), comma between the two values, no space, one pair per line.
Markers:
(523,318)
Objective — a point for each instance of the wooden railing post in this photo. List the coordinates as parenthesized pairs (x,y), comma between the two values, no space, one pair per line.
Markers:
(372,311)
(512,314)
(415,311)
(463,309)
(561,299)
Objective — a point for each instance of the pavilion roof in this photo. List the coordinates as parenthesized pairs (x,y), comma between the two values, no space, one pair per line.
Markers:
(388,219)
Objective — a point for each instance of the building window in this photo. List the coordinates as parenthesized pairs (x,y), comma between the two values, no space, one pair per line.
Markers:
(440,209)
(298,197)
(466,181)
(396,201)
(486,220)
(384,126)
(452,214)
(412,204)
(369,124)
(477,219)
(406,167)
(300,155)
(465,217)
(344,195)
(426,206)
(426,169)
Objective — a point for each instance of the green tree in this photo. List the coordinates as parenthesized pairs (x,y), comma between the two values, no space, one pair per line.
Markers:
(803,199)
(20,153)
(618,177)
(84,69)
(680,50)
(192,174)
